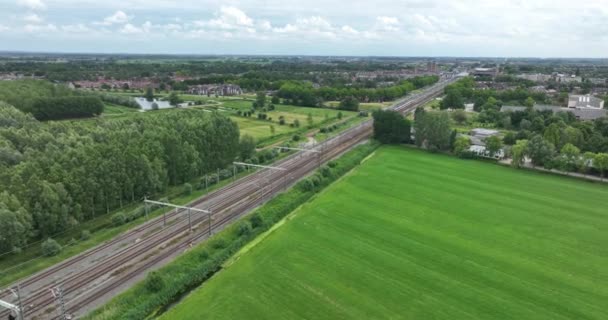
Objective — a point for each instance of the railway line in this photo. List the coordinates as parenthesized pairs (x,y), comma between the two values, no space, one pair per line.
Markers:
(150,244)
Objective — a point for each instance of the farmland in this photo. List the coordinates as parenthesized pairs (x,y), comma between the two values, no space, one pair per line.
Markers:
(424,236)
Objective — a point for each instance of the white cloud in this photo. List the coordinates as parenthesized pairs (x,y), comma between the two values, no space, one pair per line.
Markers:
(387,23)
(32,4)
(3,28)
(75,28)
(349,30)
(131,29)
(36,28)
(228,18)
(33,18)
(119,17)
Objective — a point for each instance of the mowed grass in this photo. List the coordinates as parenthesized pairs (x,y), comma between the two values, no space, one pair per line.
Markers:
(414,235)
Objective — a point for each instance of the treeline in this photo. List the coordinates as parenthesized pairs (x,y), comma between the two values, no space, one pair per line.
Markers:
(49,101)
(123,69)
(303,93)
(124,101)
(463,91)
(56,175)
(65,107)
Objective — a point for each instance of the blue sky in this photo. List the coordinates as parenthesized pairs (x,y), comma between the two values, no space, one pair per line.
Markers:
(534,28)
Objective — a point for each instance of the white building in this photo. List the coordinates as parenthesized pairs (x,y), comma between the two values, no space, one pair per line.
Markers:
(585,102)
(148,105)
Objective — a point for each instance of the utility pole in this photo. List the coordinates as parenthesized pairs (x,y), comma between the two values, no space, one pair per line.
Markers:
(21,315)
(57,293)
(209,221)
(189,209)
(18,309)
(146,206)
(189,220)
(247,165)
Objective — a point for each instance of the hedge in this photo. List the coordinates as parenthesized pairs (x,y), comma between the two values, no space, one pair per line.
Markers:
(168,284)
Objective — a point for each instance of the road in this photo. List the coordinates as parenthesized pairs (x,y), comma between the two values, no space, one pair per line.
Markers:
(93,277)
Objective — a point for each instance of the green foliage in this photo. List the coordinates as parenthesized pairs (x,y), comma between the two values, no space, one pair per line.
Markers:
(187,189)
(461,146)
(63,173)
(66,107)
(453,100)
(391,127)
(433,130)
(518,153)
(459,116)
(246,147)
(154,281)
(260,100)
(349,103)
(493,144)
(119,219)
(174,99)
(600,161)
(539,150)
(275,100)
(199,264)
(149,94)
(50,247)
(85,235)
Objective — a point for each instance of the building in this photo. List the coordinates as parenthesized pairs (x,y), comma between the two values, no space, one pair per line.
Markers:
(479,135)
(492,72)
(536,77)
(481,151)
(216,89)
(583,114)
(585,102)
(563,78)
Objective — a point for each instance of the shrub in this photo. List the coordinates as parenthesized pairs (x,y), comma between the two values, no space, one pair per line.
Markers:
(218,243)
(119,219)
(187,189)
(296,137)
(325,171)
(154,281)
(306,185)
(50,247)
(244,228)
(256,221)
(85,235)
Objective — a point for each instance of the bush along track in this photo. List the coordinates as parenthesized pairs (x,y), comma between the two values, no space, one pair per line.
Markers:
(163,287)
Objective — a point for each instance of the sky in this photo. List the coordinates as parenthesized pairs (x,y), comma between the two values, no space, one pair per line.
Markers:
(491,28)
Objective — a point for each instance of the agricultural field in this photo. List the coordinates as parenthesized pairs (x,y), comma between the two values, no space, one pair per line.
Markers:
(414,235)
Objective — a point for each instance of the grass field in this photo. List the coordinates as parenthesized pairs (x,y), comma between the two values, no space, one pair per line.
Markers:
(413,235)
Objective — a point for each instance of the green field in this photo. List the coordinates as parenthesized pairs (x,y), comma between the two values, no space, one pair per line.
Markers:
(413,235)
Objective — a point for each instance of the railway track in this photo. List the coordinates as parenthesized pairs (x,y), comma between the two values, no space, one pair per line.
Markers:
(226,204)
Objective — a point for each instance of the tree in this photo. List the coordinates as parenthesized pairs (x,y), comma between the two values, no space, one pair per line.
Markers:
(571,154)
(246,147)
(529,102)
(539,150)
(309,120)
(272,130)
(296,123)
(433,130)
(518,153)
(461,146)
(149,94)
(349,103)
(275,99)
(50,247)
(391,127)
(154,106)
(459,116)
(339,116)
(600,161)
(493,145)
(585,162)
(452,100)
(260,99)
(174,99)
(553,134)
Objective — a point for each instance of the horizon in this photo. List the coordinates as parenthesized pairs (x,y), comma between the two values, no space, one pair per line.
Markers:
(410,28)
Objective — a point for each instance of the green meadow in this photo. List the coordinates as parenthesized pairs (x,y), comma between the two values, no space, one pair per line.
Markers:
(415,235)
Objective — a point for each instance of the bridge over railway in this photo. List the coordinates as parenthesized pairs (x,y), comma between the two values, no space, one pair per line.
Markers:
(94,276)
